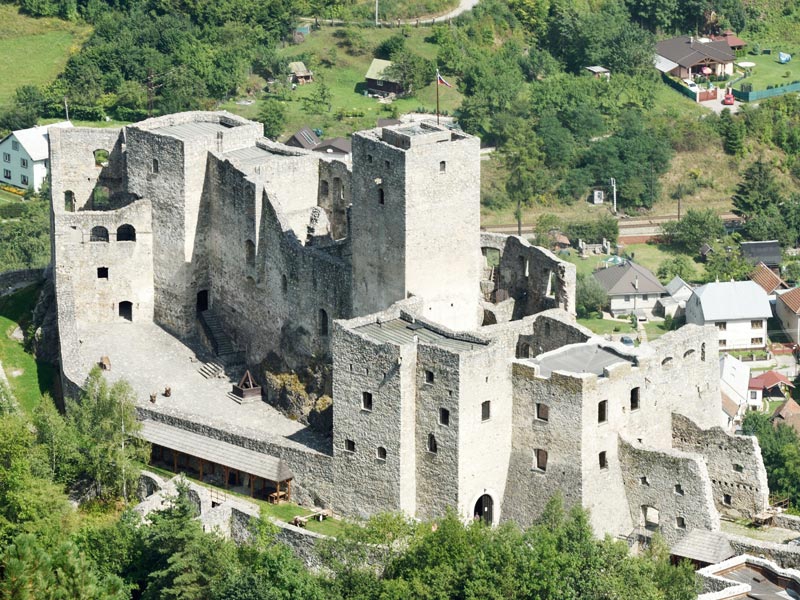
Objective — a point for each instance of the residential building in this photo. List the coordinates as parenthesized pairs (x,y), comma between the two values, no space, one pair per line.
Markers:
(379,82)
(787,309)
(738,309)
(686,56)
(338,147)
(305,138)
(25,156)
(768,279)
(768,387)
(767,252)
(631,289)
(734,378)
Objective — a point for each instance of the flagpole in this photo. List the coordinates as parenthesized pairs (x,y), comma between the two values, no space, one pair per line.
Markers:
(437,96)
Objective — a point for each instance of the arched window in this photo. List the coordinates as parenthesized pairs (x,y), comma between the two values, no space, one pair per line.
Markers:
(432,447)
(323,322)
(442,167)
(284,284)
(250,253)
(101,158)
(98,234)
(126,233)
(126,310)
(69,201)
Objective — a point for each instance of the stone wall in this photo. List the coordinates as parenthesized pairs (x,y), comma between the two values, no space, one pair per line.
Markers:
(10,280)
(335,195)
(783,554)
(676,484)
(533,276)
(737,472)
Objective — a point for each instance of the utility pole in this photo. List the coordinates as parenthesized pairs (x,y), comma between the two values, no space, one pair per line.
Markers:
(376,13)
(66,107)
(614,189)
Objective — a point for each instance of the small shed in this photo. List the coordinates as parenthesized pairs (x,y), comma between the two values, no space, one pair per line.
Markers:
(378,82)
(704,251)
(599,72)
(298,73)
(305,138)
(767,252)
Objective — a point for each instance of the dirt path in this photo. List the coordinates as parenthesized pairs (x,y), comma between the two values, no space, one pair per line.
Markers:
(463,6)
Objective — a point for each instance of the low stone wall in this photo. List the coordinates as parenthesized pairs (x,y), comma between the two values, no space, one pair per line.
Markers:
(786,521)
(10,280)
(782,554)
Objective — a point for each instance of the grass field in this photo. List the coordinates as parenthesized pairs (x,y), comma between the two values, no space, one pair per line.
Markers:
(28,378)
(654,329)
(605,326)
(34,51)
(768,71)
(344,76)
(651,256)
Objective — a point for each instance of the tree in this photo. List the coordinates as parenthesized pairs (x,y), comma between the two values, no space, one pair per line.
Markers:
(106,425)
(694,229)
(733,133)
(28,571)
(757,190)
(780,450)
(58,440)
(411,70)
(590,296)
(678,266)
(726,263)
(273,116)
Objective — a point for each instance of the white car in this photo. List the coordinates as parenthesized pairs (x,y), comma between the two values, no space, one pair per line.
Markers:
(691,85)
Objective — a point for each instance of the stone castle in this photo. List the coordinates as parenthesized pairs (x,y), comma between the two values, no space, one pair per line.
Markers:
(460,378)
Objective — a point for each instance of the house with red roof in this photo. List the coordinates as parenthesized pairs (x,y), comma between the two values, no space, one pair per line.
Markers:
(768,386)
(787,309)
(768,279)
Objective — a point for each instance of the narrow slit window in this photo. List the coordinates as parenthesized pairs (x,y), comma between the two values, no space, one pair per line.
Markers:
(349,445)
(366,401)
(380,454)
(602,460)
(602,411)
(635,398)
(486,410)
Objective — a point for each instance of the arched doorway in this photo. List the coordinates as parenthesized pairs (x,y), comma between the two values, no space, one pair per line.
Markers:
(484,509)
(126,310)
(202,301)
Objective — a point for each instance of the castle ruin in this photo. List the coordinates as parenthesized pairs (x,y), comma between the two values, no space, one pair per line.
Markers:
(460,377)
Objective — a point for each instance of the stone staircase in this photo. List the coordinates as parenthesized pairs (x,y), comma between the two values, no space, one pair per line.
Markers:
(219,339)
(212,370)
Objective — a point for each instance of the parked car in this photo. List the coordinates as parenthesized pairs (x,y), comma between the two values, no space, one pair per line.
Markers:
(691,85)
(728,99)
(627,340)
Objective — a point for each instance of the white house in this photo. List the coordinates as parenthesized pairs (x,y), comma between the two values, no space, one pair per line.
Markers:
(787,309)
(739,309)
(25,156)
(631,289)
(734,379)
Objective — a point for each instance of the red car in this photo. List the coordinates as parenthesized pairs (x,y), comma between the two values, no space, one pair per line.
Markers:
(728,99)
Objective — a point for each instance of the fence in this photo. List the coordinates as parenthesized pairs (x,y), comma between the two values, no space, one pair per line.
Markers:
(679,87)
(761,94)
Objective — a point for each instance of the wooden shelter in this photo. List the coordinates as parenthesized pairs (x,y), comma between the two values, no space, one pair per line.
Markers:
(189,450)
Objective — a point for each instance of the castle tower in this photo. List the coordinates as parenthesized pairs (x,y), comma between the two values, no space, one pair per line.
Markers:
(415,221)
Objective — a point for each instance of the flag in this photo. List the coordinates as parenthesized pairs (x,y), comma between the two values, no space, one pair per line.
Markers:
(440,80)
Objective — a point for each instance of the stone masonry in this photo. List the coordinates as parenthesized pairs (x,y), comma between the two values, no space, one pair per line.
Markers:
(460,376)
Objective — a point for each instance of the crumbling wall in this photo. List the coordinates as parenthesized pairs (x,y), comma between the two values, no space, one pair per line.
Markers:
(533,276)
(674,483)
(528,488)
(335,195)
(735,468)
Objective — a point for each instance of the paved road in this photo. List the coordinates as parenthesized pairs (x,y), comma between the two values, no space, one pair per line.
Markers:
(463,6)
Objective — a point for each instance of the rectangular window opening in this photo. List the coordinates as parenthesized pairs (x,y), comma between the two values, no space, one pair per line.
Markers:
(102,272)
(366,401)
(542,412)
(349,445)
(602,460)
(428,376)
(635,398)
(540,460)
(602,411)
(486,410)
(444,417)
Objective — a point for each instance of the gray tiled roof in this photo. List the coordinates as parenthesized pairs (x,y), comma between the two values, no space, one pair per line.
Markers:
(190,131)
(216,451)
(688,51)
(768,252)
(704,546)
(628,278)
(399,331)
(732,300)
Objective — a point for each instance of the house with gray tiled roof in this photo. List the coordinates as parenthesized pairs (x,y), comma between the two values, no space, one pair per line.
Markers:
(685,56)
(631,289)
(739,309)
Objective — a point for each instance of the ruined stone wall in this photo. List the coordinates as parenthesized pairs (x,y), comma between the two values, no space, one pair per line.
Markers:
(533,276)
(437,473)
(128,275)
(484,444)
(364,482)
(674,483)
(737,472)
(684,366)
(12,279)
(378,231)
(528,489)
(335,195)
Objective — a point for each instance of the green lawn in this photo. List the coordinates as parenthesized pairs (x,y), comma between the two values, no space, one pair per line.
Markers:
(29,379)
(654,329)
(282,512)
(604,326)
(344,76)
(768,71)
(34,51)
(651,256)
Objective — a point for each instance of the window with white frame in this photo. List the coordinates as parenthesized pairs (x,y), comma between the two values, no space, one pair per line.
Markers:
(23,162)
(6,157)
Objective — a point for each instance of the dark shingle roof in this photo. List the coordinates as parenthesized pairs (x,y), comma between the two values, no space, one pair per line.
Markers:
(768,252)
(305,138)
(628,278)
(687,51)
(703,546)
(337,145)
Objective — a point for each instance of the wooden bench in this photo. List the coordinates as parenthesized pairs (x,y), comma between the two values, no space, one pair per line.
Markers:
(319,515)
